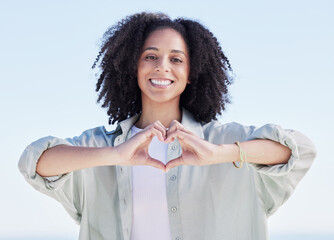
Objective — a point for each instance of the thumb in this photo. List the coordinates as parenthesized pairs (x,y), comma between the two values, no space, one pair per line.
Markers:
(155,163)
(174,163)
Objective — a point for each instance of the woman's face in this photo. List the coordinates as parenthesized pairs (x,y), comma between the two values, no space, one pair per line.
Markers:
(163,67)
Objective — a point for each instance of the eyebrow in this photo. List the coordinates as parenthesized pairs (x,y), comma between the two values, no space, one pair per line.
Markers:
(156,49)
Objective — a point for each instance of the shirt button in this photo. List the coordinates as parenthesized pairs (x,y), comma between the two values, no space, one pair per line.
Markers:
(178,238)
(124,200)
(174,147)
(172,178)
(173,209)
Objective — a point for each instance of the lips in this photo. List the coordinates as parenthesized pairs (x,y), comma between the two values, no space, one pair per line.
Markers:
(161,82)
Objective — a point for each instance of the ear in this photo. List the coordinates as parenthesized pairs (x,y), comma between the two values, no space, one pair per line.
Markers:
(188,81)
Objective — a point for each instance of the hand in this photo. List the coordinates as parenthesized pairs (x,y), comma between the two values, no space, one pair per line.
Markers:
(195,151)
(135,150)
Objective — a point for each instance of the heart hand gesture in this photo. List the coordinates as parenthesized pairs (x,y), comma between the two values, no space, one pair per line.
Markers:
(195,151)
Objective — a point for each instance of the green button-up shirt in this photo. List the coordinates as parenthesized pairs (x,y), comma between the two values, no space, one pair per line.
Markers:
(214,202)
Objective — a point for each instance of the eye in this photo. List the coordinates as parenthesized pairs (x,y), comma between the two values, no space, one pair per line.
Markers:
(151,57)
(177,60)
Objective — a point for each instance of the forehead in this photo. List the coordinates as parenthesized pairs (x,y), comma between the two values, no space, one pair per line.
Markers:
(166,38)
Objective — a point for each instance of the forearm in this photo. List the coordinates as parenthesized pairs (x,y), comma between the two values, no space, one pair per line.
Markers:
(259,151)
(62,159)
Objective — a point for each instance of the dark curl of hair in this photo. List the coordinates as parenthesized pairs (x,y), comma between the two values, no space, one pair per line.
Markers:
(204,97)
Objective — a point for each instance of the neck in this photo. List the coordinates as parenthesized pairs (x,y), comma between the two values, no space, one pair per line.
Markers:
(165,113)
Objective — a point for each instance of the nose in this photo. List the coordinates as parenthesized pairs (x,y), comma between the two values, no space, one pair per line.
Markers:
(162,65)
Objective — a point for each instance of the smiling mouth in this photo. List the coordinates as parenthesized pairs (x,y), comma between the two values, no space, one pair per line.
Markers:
(161,82)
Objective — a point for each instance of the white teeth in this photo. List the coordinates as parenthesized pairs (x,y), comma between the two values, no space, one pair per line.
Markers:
(161,82)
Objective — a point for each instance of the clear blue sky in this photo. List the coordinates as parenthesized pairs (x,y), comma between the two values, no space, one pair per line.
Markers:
(281,51)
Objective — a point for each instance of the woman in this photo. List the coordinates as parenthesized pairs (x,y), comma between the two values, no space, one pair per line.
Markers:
(164,81)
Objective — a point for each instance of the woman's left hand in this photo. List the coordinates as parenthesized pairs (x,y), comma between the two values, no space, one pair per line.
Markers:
(195,151)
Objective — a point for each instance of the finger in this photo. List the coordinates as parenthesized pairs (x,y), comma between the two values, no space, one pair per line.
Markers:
(176,134)
(175,125)
(155,163)
(162,129)
(158,134)
(162,126)
(174,163)
(154,130)
(158,126)
(188,141)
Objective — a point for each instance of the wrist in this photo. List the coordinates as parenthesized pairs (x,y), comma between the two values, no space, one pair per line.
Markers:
(109,156)
(229,153)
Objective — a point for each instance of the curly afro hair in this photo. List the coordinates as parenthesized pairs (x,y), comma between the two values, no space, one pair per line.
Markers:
(117,85)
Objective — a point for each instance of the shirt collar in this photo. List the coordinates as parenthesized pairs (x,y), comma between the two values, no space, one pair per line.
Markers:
(126,124)
(189,122)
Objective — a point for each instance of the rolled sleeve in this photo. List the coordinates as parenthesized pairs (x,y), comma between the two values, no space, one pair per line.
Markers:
(284,137)
(29,159)
(60,187)
(276,183)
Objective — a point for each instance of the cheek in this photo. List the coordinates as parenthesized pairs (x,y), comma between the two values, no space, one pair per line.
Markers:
(143,69)
(140,72)
(139,81)
(184,72)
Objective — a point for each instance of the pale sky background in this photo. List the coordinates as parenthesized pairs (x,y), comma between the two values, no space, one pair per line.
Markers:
(281,51)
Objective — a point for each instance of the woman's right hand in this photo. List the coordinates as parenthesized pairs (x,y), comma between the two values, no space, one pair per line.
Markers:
(62,159)
(135,150)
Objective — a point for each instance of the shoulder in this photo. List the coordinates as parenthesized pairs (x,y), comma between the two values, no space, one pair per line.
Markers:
(96,137)
(229,132)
